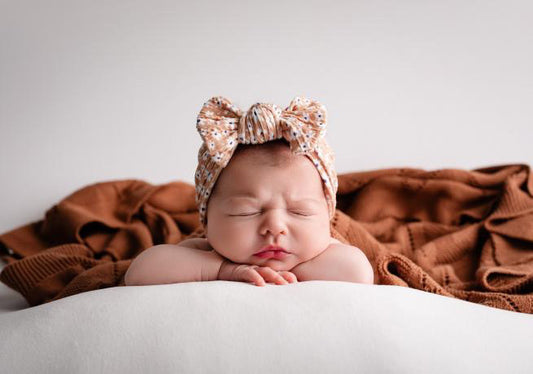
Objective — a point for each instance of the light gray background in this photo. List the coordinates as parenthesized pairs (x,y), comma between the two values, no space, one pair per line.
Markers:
(92,91)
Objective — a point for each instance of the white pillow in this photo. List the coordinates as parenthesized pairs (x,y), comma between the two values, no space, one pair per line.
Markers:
(220,326)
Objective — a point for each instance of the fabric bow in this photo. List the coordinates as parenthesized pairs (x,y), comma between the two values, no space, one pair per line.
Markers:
(223,126)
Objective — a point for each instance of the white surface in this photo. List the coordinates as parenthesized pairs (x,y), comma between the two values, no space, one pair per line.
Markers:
(310,327)
(101,90)
(10,300)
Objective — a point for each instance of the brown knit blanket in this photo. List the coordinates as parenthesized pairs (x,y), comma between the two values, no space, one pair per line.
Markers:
(457,233)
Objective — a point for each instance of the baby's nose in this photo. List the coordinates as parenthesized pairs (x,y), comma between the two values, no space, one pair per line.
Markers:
(274,223)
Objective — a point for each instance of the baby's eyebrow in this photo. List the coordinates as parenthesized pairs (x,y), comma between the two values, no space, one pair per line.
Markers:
(242,196)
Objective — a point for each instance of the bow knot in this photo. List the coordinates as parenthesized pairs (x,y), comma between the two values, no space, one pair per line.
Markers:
(223,126)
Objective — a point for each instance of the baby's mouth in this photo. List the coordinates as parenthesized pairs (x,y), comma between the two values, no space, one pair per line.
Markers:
(272,251)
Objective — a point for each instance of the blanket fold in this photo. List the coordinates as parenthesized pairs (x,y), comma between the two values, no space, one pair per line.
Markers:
(457,233)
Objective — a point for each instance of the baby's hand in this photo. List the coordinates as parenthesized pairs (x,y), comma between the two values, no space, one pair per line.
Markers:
(254,274)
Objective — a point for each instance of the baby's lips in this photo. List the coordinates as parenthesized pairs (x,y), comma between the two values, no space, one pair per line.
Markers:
(271,247)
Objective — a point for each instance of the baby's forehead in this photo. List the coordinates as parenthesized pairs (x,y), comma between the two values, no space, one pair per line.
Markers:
(246,197)
(299,170)
(298,191)
(256,166)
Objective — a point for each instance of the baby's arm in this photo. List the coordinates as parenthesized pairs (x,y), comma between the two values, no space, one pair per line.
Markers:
(193,260)
(171,263)
(339,262)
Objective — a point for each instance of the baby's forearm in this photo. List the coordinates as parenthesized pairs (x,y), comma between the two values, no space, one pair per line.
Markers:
(338,262)
(169,263)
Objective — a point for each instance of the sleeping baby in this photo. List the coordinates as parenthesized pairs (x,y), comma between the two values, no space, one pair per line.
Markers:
(265,190)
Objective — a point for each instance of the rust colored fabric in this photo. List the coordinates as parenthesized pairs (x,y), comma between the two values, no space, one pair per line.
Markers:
(457,233)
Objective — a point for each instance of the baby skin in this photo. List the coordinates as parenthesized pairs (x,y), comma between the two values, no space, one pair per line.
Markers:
(265,198)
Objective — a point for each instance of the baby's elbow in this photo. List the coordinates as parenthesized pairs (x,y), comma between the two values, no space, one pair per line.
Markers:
(130,278)
(361,270)
(141,269)
(366,275)
(134,275)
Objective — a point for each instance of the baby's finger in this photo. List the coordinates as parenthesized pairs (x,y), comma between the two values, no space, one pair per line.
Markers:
(270,274)
(288,276)
(249,274)
(256,278)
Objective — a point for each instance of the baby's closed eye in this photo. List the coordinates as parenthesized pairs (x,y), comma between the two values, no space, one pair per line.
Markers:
(253,213)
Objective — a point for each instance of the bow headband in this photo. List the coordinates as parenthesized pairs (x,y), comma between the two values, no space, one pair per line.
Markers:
(223,126)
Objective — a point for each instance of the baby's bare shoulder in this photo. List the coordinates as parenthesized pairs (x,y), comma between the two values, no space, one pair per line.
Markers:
(196,243)
(336,246)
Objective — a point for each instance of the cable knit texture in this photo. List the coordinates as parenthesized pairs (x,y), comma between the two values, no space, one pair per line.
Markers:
(457,233)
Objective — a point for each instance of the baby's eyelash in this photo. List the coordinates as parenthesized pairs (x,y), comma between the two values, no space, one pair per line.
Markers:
(254,213)
(301,214)
(244,214)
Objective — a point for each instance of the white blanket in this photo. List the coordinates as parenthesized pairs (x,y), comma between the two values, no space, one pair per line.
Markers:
(219,326)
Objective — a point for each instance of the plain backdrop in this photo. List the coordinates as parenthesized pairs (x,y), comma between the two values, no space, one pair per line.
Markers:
(93,91)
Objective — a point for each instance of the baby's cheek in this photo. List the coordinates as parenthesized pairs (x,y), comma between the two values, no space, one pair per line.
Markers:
(314,240)
(232,243)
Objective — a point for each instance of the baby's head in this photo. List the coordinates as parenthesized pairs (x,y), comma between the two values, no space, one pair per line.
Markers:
(265,178)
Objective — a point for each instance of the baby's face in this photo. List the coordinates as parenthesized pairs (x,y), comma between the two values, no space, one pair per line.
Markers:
(254,205)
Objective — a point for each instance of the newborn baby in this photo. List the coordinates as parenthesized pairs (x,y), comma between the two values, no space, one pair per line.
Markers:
(265,204)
